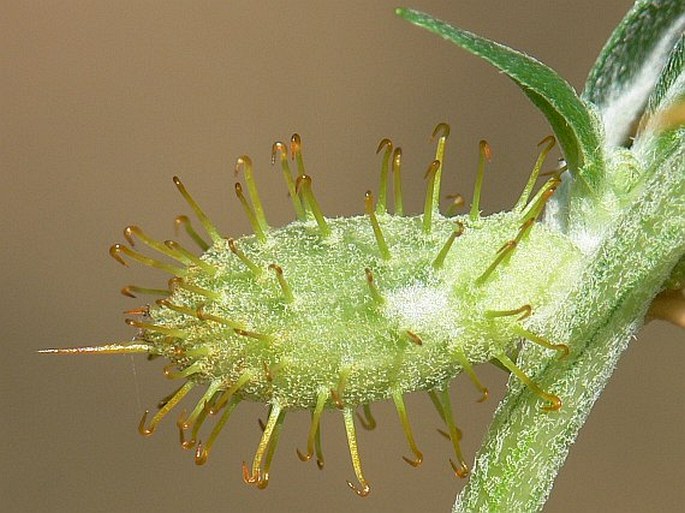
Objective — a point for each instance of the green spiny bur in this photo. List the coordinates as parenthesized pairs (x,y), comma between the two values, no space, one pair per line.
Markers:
(334,322)
(340,313)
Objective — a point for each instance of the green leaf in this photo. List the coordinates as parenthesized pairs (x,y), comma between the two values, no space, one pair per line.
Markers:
(628,66)
(661,131)
(671,82)
(669,90)
(573,122)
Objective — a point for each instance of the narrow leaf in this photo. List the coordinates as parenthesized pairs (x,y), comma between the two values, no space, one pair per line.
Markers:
(671,82)
(665,106)
(573,122)
(628,66)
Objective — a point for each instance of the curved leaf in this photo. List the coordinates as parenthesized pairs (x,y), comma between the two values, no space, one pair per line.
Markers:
(661,132)
(628,66)
(573,122)
(668,95)
(671,82)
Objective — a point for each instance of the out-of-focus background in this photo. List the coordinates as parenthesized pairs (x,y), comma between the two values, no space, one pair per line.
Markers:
(102,102)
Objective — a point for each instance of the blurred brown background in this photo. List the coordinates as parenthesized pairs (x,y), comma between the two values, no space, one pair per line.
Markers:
(102,102)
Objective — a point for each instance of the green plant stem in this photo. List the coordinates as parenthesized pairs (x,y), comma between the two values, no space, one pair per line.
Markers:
(525,446)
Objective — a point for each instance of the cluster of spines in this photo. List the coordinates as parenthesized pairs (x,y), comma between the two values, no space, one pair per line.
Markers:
(223,398)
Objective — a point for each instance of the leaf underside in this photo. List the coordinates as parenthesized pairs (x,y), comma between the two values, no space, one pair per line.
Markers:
(670,86)
(627,68)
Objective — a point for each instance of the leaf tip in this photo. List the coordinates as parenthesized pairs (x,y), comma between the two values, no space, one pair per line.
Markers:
(411,15)
(402,12)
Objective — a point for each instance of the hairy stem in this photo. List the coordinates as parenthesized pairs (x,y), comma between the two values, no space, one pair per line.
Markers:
(525,447)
